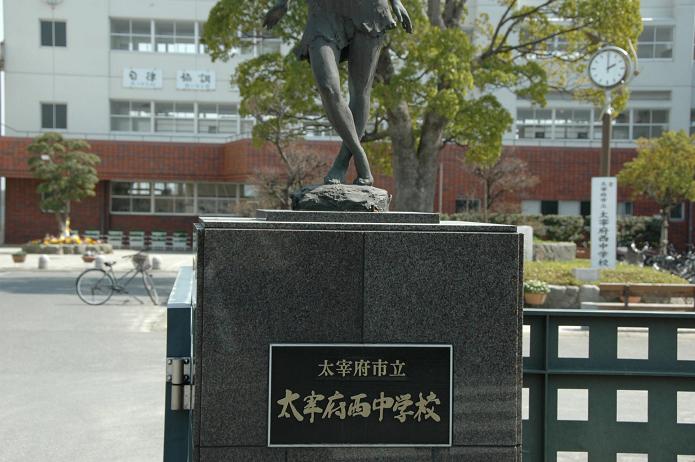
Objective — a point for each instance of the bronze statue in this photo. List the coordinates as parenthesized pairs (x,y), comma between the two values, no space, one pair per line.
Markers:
(339,30)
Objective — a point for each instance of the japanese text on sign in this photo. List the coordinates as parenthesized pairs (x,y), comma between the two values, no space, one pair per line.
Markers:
(360,395)
(195,80)
(362,368)
(336,406)
(142,78)
(603,222)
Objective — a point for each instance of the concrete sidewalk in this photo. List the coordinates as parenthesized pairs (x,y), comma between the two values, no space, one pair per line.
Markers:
(170,261)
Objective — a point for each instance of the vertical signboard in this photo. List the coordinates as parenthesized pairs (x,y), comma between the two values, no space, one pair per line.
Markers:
(604,202)
(360,395)
(142,78)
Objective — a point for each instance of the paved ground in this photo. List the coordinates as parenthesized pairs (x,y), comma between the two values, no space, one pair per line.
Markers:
(170,261)
(79,382)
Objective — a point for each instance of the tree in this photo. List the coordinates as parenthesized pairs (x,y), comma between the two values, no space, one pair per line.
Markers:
(435,87)
(664,171)
(66,171)
(281,118)
(507,175)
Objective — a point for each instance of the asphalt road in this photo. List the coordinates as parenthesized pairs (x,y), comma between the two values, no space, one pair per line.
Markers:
(79,383)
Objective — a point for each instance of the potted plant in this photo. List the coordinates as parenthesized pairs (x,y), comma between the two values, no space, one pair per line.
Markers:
(19,257)
(535,292)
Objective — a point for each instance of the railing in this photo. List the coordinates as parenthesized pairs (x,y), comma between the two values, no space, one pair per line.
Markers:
(606,386)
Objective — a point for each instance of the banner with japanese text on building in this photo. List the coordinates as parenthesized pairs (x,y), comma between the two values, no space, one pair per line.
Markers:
(604,203)
(360,395)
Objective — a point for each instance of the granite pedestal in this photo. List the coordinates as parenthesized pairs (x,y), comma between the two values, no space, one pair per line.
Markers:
(377,278)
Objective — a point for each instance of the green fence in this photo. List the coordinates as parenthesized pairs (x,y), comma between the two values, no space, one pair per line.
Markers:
(605,386)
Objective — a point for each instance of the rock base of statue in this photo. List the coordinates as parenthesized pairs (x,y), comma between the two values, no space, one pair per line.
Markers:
(341,198)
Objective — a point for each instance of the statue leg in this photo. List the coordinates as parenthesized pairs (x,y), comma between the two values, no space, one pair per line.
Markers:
(324,62)
(362,61)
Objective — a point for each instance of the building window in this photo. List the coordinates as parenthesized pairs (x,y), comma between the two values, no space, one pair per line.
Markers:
(218,118)
(549,207)
(54,116)
(132,197)
(625,209)
(535,123)
(53,34)
(678,212)
(217,198)
(464,204)
(585,208)
(656,42)
(170,117)
(692,121)
(173,198)
(174,117)
(572,124)
(175,37)
(649,123)
(177,198)
(131,116)
(131,35)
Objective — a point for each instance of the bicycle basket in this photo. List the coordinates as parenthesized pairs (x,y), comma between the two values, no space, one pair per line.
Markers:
(141,262)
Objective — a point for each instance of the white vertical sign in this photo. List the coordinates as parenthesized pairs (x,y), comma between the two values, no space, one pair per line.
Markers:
(195,80)
(604,226)
(142,78)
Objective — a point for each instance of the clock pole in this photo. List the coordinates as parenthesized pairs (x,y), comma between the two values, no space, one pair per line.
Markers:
(606,138)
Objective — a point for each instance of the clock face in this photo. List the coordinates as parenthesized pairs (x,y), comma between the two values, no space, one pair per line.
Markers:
(608,68)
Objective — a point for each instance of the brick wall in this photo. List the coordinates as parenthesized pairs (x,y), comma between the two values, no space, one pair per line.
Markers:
(564,174)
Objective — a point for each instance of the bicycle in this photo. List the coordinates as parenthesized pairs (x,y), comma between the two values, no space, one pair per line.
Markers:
(96,286)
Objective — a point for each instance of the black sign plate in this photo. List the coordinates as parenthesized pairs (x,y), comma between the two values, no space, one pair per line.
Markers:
(360,395)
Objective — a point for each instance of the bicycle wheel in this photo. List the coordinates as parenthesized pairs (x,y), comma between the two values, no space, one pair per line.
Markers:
(151,289)
(94,286)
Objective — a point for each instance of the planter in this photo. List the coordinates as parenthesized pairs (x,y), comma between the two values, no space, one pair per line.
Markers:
(631,299)
(19,258)
(88,258)
(583,253)
(535,299)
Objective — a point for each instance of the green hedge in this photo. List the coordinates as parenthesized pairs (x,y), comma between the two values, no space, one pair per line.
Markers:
(560,273)
(571,228)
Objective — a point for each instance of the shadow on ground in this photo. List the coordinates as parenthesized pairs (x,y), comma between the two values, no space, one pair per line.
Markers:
(64,284)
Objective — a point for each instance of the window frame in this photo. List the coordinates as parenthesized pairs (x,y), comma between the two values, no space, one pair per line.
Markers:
(53,40)
(54,115)
(654,43)
(152,196)
(242,123)
(626,120)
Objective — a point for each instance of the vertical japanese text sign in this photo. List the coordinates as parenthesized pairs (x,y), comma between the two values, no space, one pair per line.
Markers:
(604,202)
(360,395)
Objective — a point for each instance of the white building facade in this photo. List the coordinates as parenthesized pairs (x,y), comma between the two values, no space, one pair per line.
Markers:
(120,68)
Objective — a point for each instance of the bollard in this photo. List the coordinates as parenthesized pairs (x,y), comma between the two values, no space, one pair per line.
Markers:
(99,262)
(156,263)
(43,262)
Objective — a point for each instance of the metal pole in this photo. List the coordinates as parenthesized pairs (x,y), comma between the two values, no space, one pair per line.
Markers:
(606,138)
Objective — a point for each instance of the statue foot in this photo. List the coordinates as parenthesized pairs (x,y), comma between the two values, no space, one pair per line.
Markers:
(336,175)
(364,181)
(331,180)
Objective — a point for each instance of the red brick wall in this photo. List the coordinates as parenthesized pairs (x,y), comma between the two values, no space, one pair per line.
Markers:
(564,174)
(24,220)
